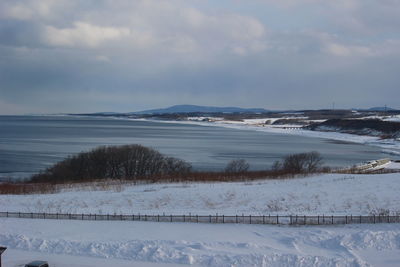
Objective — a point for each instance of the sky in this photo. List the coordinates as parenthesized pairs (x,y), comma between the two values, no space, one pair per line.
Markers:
(69,56)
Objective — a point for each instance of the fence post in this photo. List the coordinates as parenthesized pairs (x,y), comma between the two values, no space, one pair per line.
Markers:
(332,219)
(323,218)
(223,218)
(374,218)
(7,214)
(263,219)
(250,219)
(236,218)
(305,220)
(19,214)
(318,219)
(277,219)
(346,220)
(291,222)
(210,218)
(360,219)
(32,215)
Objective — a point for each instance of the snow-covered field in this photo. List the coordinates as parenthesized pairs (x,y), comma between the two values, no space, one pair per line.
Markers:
(89,243)
(127,243)
(340,194)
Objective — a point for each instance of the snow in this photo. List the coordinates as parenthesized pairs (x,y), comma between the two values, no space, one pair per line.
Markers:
(330,194)
(14,257)
(101,243)
(296,130)
(389,145)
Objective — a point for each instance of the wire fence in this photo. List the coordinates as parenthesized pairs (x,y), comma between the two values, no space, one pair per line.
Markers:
(236,219)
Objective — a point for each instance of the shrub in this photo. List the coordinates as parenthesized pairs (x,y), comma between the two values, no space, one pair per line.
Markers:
(113,162)
(237,166)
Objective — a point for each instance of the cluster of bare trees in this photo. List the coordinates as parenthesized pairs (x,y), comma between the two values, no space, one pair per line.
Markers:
(114,162)
(237,166)
(300,163)
(136,162)
(295,163)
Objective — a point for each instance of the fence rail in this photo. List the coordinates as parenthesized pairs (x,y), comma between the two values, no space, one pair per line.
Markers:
(238,219)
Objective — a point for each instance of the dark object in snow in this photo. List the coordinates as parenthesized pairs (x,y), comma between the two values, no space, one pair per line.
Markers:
(37,264)
(2,249)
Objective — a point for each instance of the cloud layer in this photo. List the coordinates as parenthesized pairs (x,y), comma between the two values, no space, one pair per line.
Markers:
(86,56)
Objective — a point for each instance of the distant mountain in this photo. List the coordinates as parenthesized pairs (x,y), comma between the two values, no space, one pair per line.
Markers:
(200,109)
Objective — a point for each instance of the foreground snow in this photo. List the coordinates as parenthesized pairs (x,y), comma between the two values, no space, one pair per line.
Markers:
(101,243)
(340,194)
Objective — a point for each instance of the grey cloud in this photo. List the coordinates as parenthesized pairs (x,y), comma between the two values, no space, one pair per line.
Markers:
(61,56)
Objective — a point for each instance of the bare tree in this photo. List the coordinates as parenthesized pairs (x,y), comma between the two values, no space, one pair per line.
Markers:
(302,162)
(276,166)
(237,166)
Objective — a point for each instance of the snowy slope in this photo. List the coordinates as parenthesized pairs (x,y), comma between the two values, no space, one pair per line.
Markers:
(116,243)
(340,194)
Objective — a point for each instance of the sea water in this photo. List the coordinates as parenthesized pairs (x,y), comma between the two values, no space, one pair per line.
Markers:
(30,144)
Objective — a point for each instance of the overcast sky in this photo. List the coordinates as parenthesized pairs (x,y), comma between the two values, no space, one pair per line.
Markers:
(124,55)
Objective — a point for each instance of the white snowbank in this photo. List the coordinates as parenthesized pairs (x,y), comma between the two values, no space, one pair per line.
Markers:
(202,244)
(339,194)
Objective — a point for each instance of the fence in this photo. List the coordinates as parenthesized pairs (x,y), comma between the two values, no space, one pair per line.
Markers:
(238,219)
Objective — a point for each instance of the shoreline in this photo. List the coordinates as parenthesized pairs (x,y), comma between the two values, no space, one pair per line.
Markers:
(391,147)
(388,146)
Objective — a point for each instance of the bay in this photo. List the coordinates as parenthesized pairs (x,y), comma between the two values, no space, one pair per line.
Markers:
(29,144)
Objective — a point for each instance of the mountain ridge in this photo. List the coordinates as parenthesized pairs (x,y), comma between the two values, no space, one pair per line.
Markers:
(200,109)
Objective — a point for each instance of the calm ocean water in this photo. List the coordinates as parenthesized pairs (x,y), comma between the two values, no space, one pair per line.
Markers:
(29,144)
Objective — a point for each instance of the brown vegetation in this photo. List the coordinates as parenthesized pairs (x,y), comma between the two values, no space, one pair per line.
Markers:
(110,168)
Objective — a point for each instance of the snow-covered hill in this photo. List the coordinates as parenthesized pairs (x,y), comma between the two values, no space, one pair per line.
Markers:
(322,194)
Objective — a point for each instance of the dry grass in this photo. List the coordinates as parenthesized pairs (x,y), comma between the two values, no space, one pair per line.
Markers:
(117,185)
